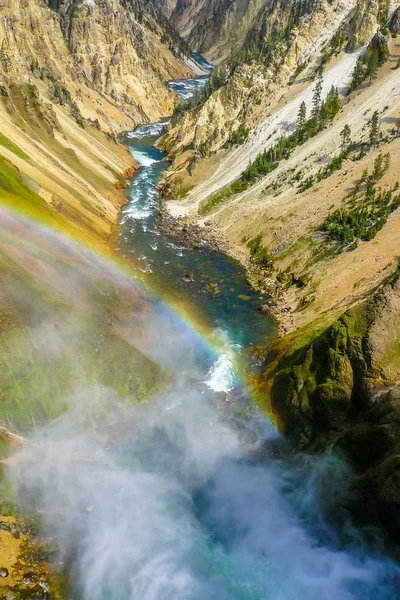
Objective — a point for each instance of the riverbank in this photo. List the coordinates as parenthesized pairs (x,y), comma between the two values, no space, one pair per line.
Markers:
(194,235)
(286,209)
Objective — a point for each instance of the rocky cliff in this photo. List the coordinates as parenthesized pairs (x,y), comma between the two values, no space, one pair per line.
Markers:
(70,71)
(72,75)
(337,388)
(216,28)
(281,55)
(112,58)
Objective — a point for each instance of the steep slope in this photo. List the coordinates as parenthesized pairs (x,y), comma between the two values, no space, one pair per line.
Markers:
(285,209)
(214,28)
(219,29)
(287,214)
(74,168)
(70,71)
(112,59)
(337,387)
(285,52)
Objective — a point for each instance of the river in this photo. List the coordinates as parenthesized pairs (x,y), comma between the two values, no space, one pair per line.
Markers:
(231,522)
(195,496)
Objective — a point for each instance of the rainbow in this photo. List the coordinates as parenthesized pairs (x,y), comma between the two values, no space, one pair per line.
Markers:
(180,313)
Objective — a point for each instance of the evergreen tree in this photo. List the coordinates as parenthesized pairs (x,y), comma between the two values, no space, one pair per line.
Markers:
(316,102)
(301,116)
(372,65)
(374,129)
(329,108)
(345,135)
(358,75)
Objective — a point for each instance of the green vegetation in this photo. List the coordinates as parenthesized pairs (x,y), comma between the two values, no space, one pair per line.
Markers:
(366,211)
(334,47)
(308,379)
(383,15)
(41,369)
(183,192)
(237,137)
(18,196)
(7,143)
(266,45)
(322,114)
(374,129)
(314,379)
(258,253)
(209,203)
(334,165)
(299,69)
(367,65)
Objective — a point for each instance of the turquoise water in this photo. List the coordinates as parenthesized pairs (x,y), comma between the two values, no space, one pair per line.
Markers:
(184,272)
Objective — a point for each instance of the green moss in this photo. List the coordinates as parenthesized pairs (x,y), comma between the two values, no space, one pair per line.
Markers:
(50,349)
(16,194)
(313,378)
(214,200)
(7,143)
(39,377)
(184,191)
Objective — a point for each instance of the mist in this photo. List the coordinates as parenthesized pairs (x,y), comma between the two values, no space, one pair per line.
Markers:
(179,497)
(176,499)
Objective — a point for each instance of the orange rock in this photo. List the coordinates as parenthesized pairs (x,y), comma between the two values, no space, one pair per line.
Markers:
(129,173)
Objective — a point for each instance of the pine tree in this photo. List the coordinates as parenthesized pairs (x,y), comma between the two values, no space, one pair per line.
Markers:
(378,168)
(345,134)
(358,75)
(374,129)
(316,102)
(372,65)
(301,116)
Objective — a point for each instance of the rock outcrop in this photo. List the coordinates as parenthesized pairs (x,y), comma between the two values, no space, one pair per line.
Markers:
(216,28)
(72,75)
(364,23)
(253,86)
(110,58)
(334,389)
(394,23)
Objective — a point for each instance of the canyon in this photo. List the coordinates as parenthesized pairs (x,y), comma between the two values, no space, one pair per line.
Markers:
(176,420)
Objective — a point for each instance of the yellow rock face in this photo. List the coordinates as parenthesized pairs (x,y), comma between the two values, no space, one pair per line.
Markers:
(112,64)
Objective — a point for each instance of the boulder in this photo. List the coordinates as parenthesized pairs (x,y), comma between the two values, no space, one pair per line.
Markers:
(394,23)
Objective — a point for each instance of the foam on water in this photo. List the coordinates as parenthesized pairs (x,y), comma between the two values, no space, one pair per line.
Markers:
(178,508)
(202,61)
(186,88)
(154,129)
(144,158)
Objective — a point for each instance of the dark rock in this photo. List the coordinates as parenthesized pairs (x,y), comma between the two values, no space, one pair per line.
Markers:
(187,233)
(29,577)
(394,23)
(377,41)
(373,447)
(265,309)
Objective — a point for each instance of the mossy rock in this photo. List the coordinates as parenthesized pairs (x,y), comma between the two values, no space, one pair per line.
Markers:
(324,379)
